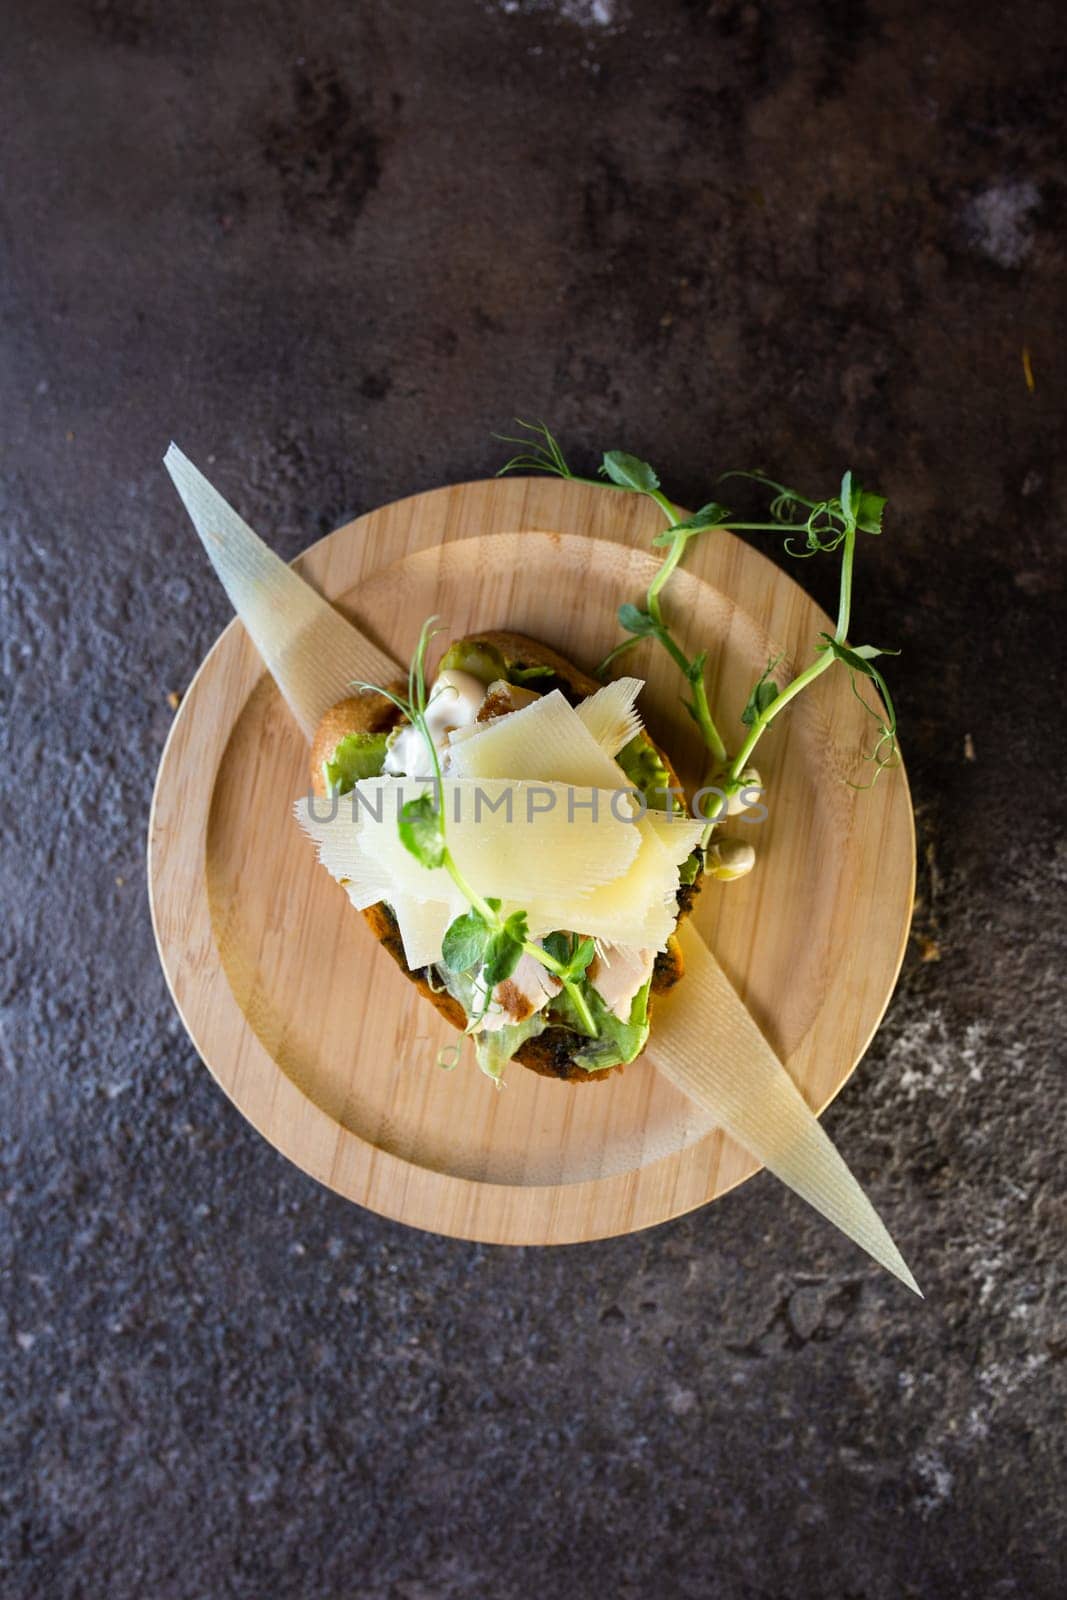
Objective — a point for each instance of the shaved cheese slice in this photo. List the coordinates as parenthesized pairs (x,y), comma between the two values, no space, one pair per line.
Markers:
(422,925)
(311,652)
(634,903)
(679,836)
(707,1045)
(515,841)
(640,908)
(610,716)
(365,880)
(334,826)
(546,742)
(461,735)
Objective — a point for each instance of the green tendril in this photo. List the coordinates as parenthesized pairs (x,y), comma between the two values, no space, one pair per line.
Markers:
(812,527)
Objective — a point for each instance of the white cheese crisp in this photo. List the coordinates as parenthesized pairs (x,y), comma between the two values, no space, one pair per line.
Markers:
(514,840)
(710,1048)
(546,742)
(610,714)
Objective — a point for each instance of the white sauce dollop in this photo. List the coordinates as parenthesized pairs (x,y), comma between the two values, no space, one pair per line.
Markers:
(453,702)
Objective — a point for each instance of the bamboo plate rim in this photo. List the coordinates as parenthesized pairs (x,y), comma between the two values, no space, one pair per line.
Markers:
(185,936)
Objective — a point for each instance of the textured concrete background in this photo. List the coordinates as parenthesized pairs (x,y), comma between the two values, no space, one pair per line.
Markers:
(330,247)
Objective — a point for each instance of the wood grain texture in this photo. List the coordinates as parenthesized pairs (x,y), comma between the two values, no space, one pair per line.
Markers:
(321,1042)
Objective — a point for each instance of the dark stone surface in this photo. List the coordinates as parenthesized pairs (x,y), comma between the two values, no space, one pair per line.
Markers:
(329,248)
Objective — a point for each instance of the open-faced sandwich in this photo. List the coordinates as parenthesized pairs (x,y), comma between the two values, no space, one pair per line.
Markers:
(532,895)
(545,932)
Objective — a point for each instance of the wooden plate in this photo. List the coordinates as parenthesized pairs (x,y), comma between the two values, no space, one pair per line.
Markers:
(328,1050)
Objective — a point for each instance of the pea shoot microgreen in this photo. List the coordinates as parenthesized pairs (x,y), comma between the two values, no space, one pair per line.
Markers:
(481,939)
(812,527)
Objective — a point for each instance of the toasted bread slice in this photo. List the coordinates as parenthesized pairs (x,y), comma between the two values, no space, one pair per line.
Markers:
(549,1053)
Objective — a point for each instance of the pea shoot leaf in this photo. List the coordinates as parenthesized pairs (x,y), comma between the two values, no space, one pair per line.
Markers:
(581,958)
(859,660)
(503,950)
(861,506)
(421,831)
(629,472)
(573,957)
(713,515)
(463,945)
(869,511)
(634,620)
(764,693)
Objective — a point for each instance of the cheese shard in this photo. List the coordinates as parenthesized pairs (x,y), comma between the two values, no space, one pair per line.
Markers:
(706,1043)
(678,836)
(365,880)
(545,742)
(610,714)
(422,925)
(516,841)
(615,881)
(639,908)
(313,654)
